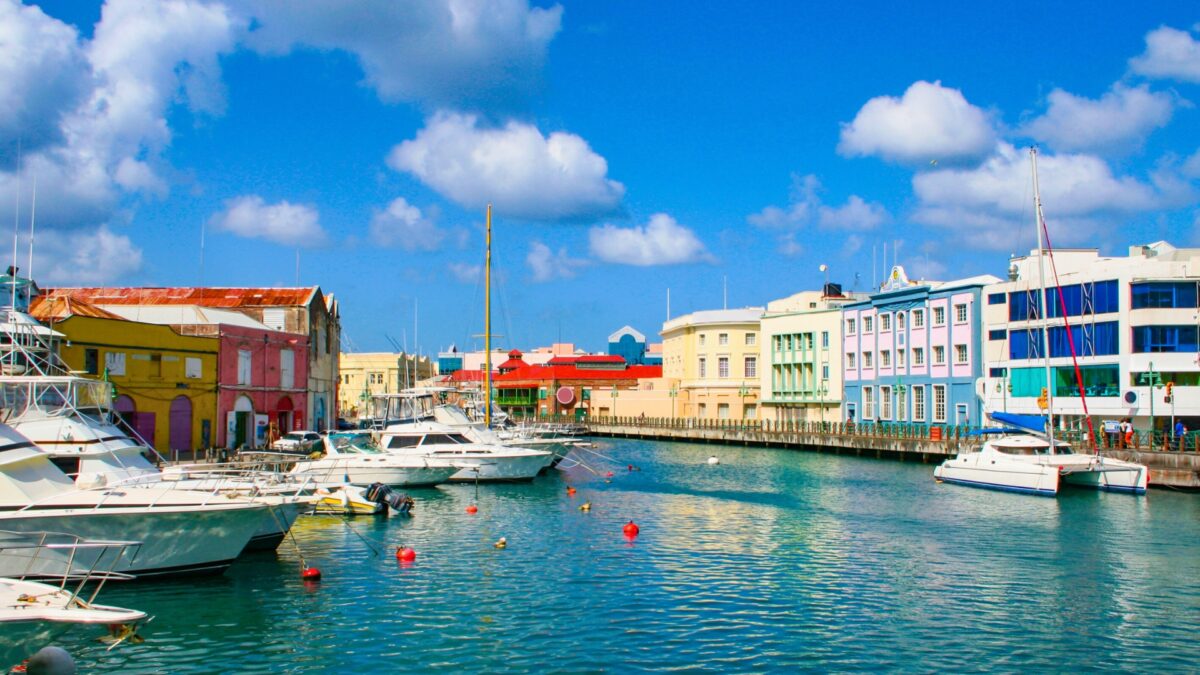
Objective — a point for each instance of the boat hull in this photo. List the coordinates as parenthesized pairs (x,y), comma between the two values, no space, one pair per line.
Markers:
(282,513)
(392,476)
(503,468)
(974,471)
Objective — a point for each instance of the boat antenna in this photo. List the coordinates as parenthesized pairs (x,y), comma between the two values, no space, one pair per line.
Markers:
(32,215)
(16,230)
(1041,299)
(487,325)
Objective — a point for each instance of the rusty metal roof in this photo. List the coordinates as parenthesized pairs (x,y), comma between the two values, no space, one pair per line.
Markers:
(207,297)
(57,308)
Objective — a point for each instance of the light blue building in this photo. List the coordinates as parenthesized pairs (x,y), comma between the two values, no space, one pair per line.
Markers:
(629,344)
(913,352)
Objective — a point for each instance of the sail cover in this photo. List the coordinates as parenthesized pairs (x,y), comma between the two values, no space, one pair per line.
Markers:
(1030,422)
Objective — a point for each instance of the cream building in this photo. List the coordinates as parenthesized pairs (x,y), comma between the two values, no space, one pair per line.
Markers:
(711,361)
(800,366)
(367,373)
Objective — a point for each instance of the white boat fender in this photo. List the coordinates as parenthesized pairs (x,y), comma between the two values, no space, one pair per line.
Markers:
(713,460)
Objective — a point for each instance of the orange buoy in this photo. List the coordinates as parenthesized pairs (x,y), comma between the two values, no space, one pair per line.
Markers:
(631,529)
(609,475)
(570,490)
(472,509)
(406,554)
(310,574)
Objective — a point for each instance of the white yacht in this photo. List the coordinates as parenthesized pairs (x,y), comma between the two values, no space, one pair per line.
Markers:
(1028,463)
(355,458)
(480,461)
(34,614)
(72,420)
(182,531)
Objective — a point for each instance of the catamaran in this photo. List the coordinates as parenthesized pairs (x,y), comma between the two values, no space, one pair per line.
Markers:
(1024,456)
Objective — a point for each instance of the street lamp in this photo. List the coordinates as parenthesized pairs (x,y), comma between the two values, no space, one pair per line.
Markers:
(743,391)
(614,400)
(822,392)
(673,393)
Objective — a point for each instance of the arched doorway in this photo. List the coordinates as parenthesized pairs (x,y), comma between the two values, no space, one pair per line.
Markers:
(181,424)
(139,423)
(284,414)
(239,429)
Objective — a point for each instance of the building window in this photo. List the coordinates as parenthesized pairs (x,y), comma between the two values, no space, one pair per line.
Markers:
(1163,295)
(996,299)
(849,326)
(939,403)
(722,338)
(1152,339)
(960,353)
(918,403)
(918,356)
(900,357)
(868,324)
(703,367)
(751,339)
(191,368)
(885,403)
(824,339)
(939,355)
(751,366)
(701,410)
(287,369)
(899,320)
(825,371)
(960,313)
(885,359)
(156,366)
(702,339)
(723,367)
(868,357)
(723,411)
(885,322)
(901,404)
(998,334)
(868,403)
(750,412)
(91,361)
(939,316)
(114,363)
(850,360)
(918,318)
(243,371)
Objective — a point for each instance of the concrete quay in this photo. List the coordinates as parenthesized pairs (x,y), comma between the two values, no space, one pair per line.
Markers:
(1170,470)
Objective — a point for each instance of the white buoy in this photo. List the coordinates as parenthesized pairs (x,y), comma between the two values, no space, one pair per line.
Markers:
(713,460)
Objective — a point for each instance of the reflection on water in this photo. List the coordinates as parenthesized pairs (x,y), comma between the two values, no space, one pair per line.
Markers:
(771,560)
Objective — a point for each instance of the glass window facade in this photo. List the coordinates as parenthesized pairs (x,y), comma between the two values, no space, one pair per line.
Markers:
(1100,339)
(996,299)
(1098,381)
(1098,297)
(1164,294)
(1164,339)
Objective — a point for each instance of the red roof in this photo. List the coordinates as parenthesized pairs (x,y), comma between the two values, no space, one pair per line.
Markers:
(206,297)
(562,360)
(466,376)
(550,372)
(45,308)
(601,358)
(514,354)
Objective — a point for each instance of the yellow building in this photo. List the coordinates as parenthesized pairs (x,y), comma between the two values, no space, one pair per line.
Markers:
(367,373)
(801,364)
(166,383)
(711,359)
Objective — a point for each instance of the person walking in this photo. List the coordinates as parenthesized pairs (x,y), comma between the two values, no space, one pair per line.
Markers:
(1180,434)
(1126,433)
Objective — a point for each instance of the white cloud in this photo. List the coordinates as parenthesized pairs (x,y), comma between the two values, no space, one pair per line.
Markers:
(1191,167)
(805,208)
(465,273)
(524,174)
(84,258)
(1120,119)
(135,176)
(283,223)
(853,243)
(989,205)
(1170,54)
(789,246)
(403,225)
(547,265)
(43,75)
(661,242)
(855,214)
(928,123)
(440,52)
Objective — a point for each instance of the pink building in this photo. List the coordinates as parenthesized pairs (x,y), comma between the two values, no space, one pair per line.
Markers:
(261,384)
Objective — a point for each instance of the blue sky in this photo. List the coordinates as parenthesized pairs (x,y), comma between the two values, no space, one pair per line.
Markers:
(628,147)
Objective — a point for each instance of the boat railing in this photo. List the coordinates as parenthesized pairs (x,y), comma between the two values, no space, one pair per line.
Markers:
(72,578)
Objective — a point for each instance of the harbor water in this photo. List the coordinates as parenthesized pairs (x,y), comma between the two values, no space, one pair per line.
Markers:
(771,560)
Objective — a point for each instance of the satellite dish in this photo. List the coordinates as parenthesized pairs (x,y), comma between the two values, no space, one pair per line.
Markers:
(1131,397)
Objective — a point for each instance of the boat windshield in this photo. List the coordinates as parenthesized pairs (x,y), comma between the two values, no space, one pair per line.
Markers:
(351,444)
(1037,449)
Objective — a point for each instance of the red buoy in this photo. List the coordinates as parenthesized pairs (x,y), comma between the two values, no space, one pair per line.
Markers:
(631,467)
(609,475)
(406,554)
(310,574)
(631,529)
(570,490)
(472,509)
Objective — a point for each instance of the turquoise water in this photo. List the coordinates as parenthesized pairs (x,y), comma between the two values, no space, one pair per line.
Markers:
(774,560)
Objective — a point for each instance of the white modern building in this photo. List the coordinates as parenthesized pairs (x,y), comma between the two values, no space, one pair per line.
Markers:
(1131,322)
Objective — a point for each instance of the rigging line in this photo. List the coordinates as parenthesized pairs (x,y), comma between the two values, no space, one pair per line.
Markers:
(1062,303)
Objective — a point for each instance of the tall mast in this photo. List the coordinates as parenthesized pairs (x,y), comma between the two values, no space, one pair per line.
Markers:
(1041,298)
(487,325)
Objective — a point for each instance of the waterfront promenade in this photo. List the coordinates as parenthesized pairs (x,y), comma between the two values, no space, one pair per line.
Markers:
(1176,467)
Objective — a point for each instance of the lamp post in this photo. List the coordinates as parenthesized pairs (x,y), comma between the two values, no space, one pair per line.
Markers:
(1153,382)
(743,391)
(901,396)
(822,392)
(673,392)
(614,400)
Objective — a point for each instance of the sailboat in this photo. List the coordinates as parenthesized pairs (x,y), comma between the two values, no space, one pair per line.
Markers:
(1024,456)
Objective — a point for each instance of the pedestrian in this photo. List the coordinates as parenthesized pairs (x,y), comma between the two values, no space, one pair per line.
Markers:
(1126,433)
(1180,434)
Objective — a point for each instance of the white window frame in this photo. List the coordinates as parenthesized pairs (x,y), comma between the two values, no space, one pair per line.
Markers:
(899,320)
(900,357)
(850,360)
(245,369)
(750,366)
(868,403)
(961,354)
(885,323)
(918,356)
(918,403)
(939,316)
(885,358)
(939,355)
(885,402)
(868,360)
(722,339)
(868,325)
(850,326)
(751,339)
(918,318)
(939,403)
(723,367)
(287,369)
(702,367)
(960,312)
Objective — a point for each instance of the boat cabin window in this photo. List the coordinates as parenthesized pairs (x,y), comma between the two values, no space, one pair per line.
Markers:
(403,441)
(68,465)
(444,439)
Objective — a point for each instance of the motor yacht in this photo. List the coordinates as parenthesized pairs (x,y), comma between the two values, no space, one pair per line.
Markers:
(355,458)
(479,461)
(34,614)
